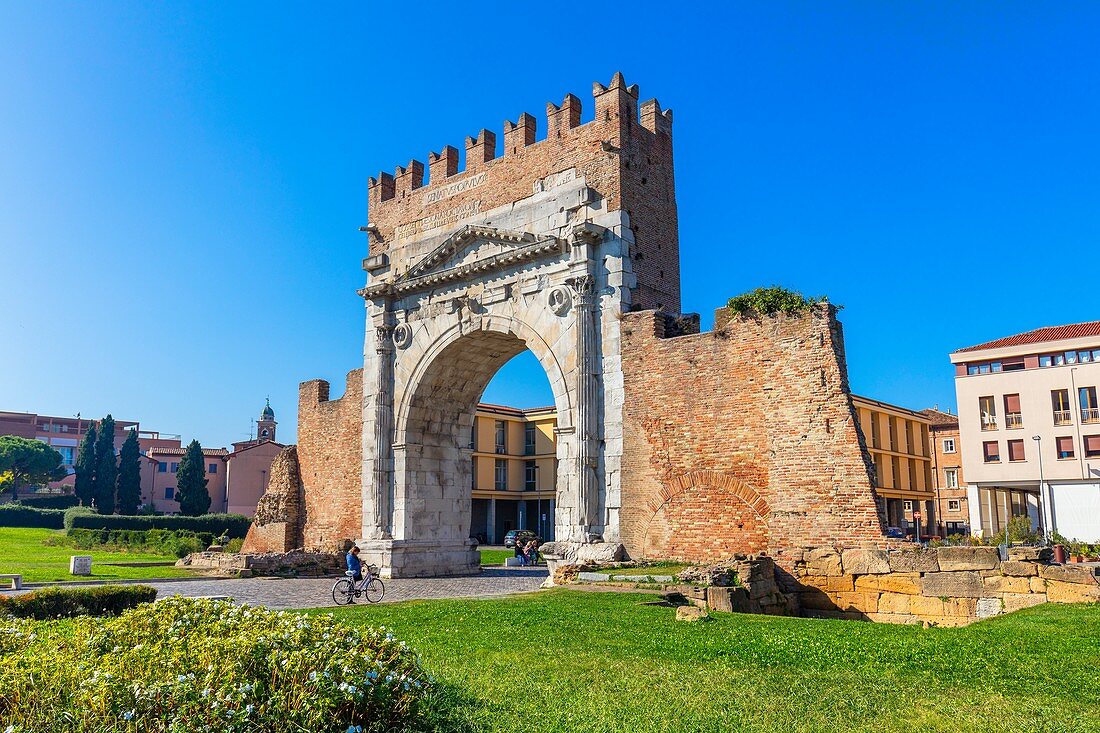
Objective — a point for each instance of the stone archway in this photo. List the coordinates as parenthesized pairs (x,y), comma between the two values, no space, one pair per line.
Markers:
(703,515)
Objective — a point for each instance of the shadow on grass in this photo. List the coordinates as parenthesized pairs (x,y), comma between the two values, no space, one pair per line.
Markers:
(449,708)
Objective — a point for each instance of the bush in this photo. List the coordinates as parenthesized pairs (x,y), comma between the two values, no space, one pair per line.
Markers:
(177,542)
(17,515)
(50,501)
(769,301)
(104,600)
(233,525)
(192,665)
(77,511)
(234,545)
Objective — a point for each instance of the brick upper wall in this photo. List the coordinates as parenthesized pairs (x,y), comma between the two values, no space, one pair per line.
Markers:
(741,440)
(330,458)
(625,154)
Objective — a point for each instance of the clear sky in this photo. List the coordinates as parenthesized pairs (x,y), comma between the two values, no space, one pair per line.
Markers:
(181,183)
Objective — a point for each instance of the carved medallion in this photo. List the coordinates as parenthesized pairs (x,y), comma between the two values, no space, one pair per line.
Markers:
(559,299)
(402,335)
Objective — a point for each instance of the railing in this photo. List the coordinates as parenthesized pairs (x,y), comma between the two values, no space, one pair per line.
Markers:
(1063,417)
(1090,414)
(1014,420)
(989,422)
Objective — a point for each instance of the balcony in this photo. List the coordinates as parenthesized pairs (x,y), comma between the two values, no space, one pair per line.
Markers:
(1090,415)
(1014,421)
(1063,417)
(989,422)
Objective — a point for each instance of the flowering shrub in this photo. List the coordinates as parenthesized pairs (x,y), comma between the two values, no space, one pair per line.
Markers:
(200,665)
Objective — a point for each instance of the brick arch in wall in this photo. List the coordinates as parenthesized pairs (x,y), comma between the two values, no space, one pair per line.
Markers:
(705,515)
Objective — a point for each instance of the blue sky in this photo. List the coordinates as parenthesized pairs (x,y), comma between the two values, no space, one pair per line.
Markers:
(181,184)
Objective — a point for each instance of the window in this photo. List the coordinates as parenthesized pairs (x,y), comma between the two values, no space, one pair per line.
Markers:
(948,445)
(874,430)
(66,454)
(1015,365)
(530,476)
(951,478)
(162,467)
(1059,359)
(529,439)
(212,468)
(1014,419)
(473,473)
(1016,450)
(473,436)
(169,492)
(1084,356)
(501,435)
(500,475)
(1071,357)
(971,369)
(954,505)
(1059,403)
(175,467)
(991,452)
(1092,446)
(1045,361)
(995,367)
(907,505)
(893,424)
(988,409)
(1089,411)
(264,433)
(895,472)
(1064,447)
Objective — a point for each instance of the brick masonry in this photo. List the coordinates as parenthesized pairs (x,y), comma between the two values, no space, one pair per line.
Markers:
(330,461)
(277,523)
(741,440)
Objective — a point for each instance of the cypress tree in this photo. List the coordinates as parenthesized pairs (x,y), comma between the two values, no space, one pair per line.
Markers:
(129,475)
(85,468)
(106,467)
(191,482)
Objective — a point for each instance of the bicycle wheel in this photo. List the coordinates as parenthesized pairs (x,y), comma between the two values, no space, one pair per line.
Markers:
(341,592)
(375,590)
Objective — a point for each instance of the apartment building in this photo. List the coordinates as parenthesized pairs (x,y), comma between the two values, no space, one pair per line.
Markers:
(1029,423)
(897,440)
(952,508)
(514,471)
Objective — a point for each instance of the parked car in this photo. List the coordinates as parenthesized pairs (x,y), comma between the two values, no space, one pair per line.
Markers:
(523,536)
(896,533)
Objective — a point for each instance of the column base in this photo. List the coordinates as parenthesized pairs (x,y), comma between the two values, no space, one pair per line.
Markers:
(561,554)
(421,558)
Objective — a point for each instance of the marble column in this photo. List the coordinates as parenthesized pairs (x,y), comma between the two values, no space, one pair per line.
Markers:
(378,517)
(587,411)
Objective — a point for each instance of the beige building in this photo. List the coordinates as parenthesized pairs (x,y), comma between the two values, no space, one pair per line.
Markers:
(897,440)
(952,508)
(1030,426)
(514,472)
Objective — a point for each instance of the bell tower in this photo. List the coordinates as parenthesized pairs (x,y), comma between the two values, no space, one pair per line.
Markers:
(265,426)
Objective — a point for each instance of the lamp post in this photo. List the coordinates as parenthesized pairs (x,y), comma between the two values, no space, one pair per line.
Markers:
(1043,504)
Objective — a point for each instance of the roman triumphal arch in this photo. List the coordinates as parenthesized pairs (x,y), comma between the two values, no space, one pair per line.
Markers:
(533,250)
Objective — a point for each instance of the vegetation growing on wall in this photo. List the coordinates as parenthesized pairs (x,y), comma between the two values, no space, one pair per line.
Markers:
(771,300)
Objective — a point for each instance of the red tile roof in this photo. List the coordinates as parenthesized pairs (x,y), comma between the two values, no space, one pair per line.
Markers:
(939,418)
(1041,335)
(181,451)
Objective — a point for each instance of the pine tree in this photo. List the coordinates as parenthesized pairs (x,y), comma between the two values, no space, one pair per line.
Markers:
(85,468)
(191,482)
(129,475)
(106,467)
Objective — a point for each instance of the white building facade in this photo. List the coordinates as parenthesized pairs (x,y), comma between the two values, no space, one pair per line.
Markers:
(1029,423)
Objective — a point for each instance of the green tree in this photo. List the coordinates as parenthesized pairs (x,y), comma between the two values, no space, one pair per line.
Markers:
(106,467)
(191,482)
(129,475)
(85,467)
(26,462)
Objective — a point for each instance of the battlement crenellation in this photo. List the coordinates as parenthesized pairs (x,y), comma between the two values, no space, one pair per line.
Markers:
(615,101)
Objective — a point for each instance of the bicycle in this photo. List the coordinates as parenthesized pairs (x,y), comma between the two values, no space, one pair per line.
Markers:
(346,590)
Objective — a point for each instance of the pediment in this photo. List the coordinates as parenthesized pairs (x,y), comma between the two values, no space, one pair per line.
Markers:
(467,245)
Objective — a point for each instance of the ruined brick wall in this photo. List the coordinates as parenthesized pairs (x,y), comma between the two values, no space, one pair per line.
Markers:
(624,154)
(330,457)
(741,440)
(277,523)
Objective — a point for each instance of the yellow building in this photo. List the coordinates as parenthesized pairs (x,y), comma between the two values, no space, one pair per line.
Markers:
(514,472)
(897,440)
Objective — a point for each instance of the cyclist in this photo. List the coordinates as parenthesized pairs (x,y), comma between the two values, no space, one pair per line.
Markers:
(355,565)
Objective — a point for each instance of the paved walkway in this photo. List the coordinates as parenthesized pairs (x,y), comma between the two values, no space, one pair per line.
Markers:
(317,592)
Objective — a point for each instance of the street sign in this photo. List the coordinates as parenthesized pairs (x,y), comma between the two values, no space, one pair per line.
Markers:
(916,515)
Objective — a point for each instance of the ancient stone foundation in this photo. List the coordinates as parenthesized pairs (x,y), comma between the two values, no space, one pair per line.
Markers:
(277,523)
(948,586)
(296,563)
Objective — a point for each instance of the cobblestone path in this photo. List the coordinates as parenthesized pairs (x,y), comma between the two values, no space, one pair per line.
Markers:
(317,592)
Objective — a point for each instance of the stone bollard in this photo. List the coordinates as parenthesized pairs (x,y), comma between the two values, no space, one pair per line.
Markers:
(80,564)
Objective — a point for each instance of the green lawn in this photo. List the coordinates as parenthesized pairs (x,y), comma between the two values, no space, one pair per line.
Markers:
(567,660)
(24,551)
(495,557)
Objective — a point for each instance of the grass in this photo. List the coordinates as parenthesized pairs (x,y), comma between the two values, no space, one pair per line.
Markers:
(495,557)
(567,660)
(657,568)
(23,550)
